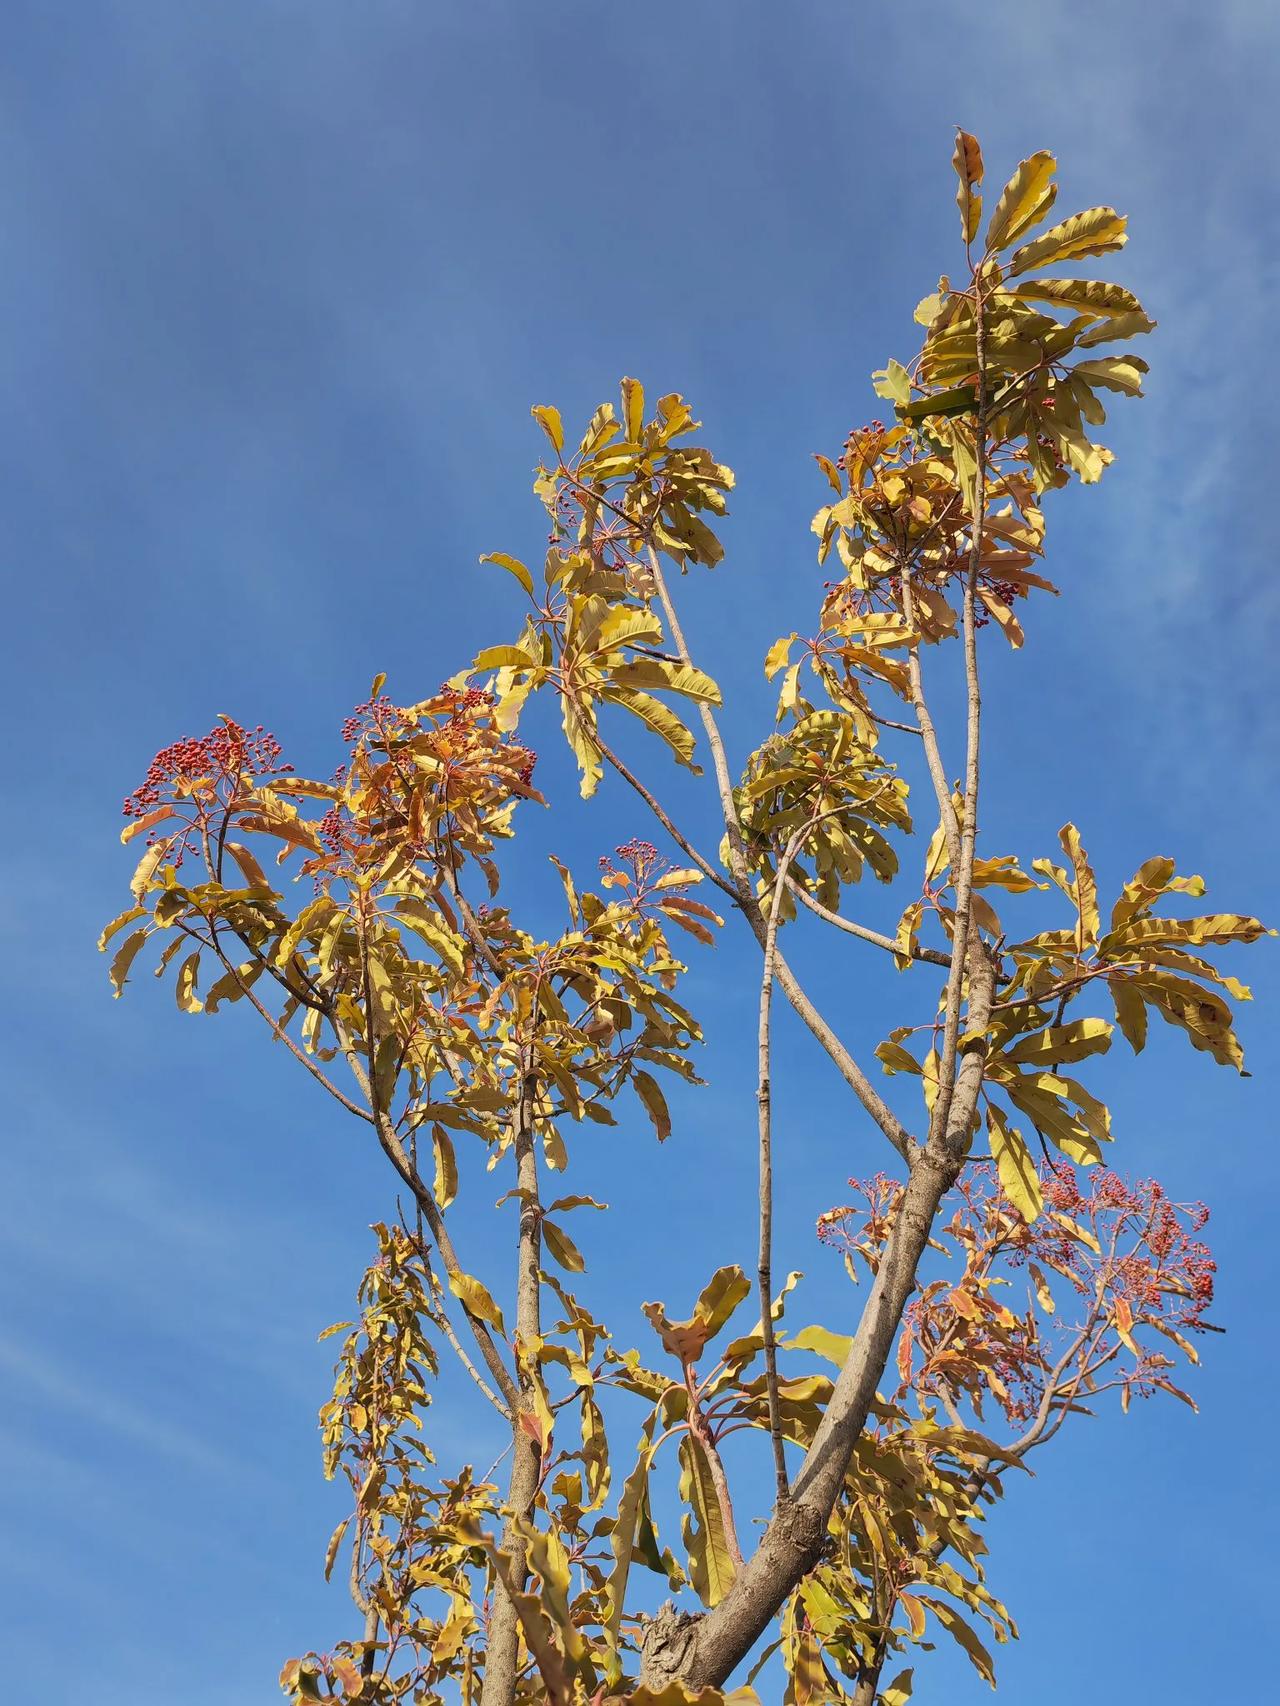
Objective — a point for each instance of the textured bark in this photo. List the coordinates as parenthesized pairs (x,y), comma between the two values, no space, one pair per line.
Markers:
(503,1648)
(713,1645)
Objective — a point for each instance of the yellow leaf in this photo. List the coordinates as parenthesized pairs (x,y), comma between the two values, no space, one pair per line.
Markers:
(549,420)
(563,1248)
(632,408)
(476,1300)
(1121,373)
(1044,1297)
(118,923)
(1096,231)
(967,161)
(655,1103)
(1086,887)
(124,958)
(898,1691)
(658,718)
(513,566)
(331,1550)
(144,823)
(185,987)
(1018,1178)
(1086,296)
(445,1188)
(147,867)
(1024,201)
(776,657)
(1058,1044)
(1131,1012)
(1124,1324)
(711,1567)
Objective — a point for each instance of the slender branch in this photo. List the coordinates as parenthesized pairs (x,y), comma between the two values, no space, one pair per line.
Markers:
(848,1068)
(502,1658)
(282,1036)
(966,947)
(700,1432)
(929,956)
(889,723)
(932,751)
(719,758)
(764,1099)
(686,846)
(439,1316)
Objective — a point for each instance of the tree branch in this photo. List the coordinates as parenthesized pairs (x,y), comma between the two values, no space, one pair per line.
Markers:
(928,956)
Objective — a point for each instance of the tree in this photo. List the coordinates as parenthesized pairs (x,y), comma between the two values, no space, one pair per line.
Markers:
(436,1019)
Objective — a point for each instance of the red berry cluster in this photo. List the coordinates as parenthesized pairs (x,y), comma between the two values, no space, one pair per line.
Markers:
(1116,1245)
(208,773)
(375,716)
(225,754)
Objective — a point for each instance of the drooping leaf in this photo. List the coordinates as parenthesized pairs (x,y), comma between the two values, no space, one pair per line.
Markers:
(1017,1170)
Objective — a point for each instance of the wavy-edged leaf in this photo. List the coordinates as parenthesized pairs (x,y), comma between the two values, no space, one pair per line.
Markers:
(1096,231)
(660,676)
(1059,1044)
(1092,296)
(656,717)
(1024,201)
(1121,373)
(124,957)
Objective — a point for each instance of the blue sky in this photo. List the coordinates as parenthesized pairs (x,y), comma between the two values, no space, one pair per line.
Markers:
(281,280)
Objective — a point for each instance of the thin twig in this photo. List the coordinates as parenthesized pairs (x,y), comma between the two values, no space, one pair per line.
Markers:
(764,1100)
(930,956)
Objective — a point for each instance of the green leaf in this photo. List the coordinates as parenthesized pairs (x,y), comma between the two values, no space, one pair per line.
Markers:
(960,400)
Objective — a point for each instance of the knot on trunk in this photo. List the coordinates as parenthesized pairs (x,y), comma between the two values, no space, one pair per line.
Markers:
(666,1644)
(803,1530)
